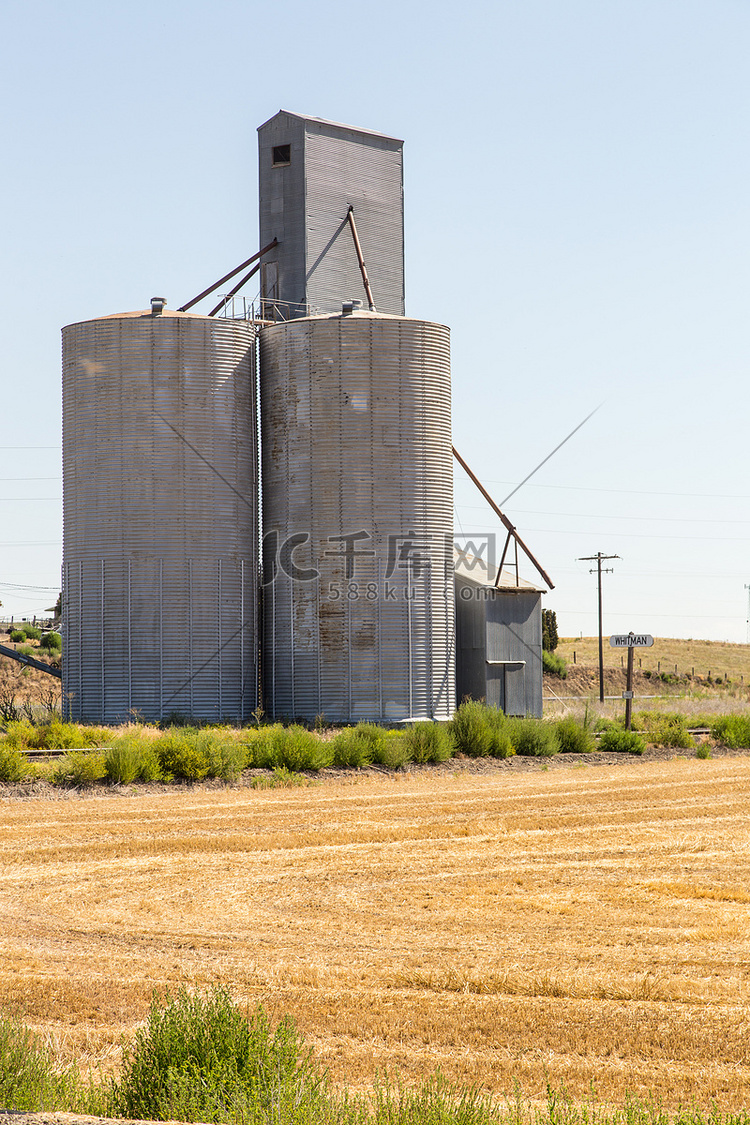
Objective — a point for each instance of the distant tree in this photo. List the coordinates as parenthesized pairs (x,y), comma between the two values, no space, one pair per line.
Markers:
(549,630)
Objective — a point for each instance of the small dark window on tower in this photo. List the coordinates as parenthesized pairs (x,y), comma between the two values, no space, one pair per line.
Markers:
(281,154)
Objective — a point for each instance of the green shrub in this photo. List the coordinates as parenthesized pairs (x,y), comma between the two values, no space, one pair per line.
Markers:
(357,746)
(51,641)
(621,741)
(481,731)
(703,751)
(200,1059)
(533,738)
(57,735)
(227,758)
(663,728)
(554,664)
(80,767)
(26,650)
(392,750)
(732,731)
(30,1080)
(471,729)
(32,633)
(294,748)
(183,754)
(131,757)
(428,742)
(13,764)
(574,737)
(17,636)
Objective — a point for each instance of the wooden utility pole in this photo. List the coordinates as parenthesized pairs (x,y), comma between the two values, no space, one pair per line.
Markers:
(598,558)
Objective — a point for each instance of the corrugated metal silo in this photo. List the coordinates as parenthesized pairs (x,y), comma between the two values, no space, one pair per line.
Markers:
(358,518)
(160,517)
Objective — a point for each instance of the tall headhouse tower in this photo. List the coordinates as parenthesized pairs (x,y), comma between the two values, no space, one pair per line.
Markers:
(311,173)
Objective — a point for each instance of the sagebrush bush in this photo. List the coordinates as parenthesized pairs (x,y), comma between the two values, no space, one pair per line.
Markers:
(732,731)
(663,728)
(481,731)
(13,764)
(17,636)
(131,757)
(554,664)
(393,750)
(199,1058)
(183,753)
(471,729)
(57,735)
(533,738)
(294,748)
(428,742)
(31,1081)
(574,737)
(355,747)
(80,767)
(621,741)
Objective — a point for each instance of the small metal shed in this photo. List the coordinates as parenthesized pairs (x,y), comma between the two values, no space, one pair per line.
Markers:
(498,639)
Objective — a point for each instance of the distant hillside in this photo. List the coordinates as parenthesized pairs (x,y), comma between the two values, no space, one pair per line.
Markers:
(697,659)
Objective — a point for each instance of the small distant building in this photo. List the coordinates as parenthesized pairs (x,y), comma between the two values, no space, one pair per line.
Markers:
(498,639)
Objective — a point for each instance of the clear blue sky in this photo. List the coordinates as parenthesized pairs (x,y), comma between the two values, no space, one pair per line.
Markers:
(577,211)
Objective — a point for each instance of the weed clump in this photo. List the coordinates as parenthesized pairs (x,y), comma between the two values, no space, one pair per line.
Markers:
(621,741)
(732,731)
(480,731)
(428,742)
(574,737)
(355,747)
(131,758)
(79,768)
(199,1058)
(664,728)
(533,738)
(13,764)
(393,750)
(554,664)
(293,748)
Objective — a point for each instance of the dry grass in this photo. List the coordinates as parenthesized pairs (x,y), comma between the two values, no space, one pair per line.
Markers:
(720,658)
(588,926)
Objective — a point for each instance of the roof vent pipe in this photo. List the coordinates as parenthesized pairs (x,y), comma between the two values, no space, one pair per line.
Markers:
(350,307)
(157,305)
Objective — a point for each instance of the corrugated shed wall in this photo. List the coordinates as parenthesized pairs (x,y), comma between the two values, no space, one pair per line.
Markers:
(357,503)
(304,204)
(160,518)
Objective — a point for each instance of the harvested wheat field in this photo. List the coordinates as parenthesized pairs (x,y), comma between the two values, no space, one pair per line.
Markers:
(586,926)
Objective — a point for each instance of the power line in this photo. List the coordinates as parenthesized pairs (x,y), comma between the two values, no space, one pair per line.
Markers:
(636,492)
(605,516)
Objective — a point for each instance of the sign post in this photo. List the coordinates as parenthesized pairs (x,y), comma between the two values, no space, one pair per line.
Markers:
(630,641)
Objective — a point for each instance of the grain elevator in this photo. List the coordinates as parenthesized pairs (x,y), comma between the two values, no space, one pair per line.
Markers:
(280,534)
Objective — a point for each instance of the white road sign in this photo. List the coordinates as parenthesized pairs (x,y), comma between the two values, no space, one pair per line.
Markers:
(631,640)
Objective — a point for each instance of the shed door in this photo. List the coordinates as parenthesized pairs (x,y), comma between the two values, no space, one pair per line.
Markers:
(506,687)
(515,689)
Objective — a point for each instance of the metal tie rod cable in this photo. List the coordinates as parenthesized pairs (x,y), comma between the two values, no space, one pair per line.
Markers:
(361,259)
(503,519)
(236,270)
